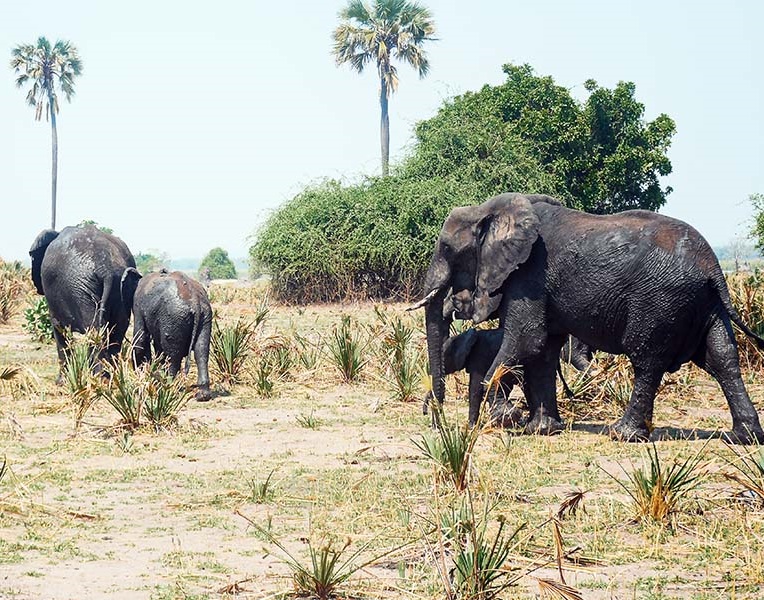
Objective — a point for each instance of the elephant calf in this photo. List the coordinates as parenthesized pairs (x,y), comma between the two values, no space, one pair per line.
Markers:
(172,312)
(475,350)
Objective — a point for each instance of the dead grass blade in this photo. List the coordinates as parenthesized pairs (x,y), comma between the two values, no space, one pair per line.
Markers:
(570,504)
(548,588)
(559,550)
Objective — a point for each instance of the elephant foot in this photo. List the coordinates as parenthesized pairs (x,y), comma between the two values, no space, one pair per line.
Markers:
(507,416)
(203,394)
(542,424)
(745,435)
(627,431)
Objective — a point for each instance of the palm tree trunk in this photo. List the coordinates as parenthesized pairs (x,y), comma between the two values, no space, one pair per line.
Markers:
(384,127)
(54,174)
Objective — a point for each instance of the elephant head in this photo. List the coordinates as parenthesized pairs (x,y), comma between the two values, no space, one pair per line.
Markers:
(128,285)
(478,248)
(37,253)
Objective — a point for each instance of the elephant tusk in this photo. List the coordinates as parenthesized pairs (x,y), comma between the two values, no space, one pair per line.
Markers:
(424,301)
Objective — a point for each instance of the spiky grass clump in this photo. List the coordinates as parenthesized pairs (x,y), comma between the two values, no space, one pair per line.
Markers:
(478,546)
(147,392)
(747,295)
(12,287)
(404,360)
(450,448)
(231,346)
(748,472)
(346,350)
(262,491)
(309,421)
(77,372)
(657,492)
(330,566)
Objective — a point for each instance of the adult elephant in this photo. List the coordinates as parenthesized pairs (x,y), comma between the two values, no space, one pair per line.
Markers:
(171,312)
(635,283)
(78,271)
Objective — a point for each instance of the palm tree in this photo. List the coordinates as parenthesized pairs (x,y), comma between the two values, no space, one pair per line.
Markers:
(43,66)
(379,32)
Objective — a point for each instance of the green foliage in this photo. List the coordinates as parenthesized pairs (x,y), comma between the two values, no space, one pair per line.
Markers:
(757,228)
(148,262)
(403,358)
(37,321)
(374,238)
(86,222)
(219,265)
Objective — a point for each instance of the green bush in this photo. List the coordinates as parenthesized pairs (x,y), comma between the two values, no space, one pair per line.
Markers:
(218,264)
(37,321)
(374,238)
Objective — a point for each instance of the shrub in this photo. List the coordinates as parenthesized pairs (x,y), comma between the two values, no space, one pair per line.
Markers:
(217,265)
(37,321)
(12,286)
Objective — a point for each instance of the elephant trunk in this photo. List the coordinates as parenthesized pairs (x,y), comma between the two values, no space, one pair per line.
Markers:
(437,332)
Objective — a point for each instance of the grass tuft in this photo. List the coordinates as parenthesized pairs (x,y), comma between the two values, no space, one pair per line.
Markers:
(346,350)
(748,471)
(230,348)
(657,492)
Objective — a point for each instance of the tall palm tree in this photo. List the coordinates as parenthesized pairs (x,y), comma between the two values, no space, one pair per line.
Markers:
(44,66)
(379,32)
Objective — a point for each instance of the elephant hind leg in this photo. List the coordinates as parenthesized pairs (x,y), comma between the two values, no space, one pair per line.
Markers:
(201,358)
(539,386)
(636,422)
(719,357)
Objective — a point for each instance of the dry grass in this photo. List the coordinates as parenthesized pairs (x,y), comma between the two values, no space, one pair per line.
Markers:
(167,500)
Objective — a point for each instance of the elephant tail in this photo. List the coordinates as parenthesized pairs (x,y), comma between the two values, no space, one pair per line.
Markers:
(194,334)
(724,295)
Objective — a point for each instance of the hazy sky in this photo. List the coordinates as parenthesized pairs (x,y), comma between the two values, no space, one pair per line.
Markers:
(193,120)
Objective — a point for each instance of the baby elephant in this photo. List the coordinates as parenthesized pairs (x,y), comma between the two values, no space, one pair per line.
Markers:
(474,351)
(171,311)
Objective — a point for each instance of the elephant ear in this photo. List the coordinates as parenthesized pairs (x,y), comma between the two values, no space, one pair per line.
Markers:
(129,283)
(457,349)
(506,235)
(37,253)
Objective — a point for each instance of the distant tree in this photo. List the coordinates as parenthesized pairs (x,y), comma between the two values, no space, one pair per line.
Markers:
(379,32)
(219,265)
(108,230)
(43,66)
(600,156)
(147,262)
(757,228)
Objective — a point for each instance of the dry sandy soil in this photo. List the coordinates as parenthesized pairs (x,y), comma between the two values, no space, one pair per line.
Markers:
(102,514)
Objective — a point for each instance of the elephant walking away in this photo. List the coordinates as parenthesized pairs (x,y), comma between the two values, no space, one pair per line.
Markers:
(474,351)
(172,313)
(78,271)
(635,283)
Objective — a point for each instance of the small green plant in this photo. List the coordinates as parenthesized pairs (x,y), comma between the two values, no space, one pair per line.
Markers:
(308,352)
(78,376)
(37,321)
(261,491)
(748,471)
(478,547)
(657,492)
(230,347)
(308,421)
(450,447)
(331,565)
(263,378)
(346,350)
(125,392)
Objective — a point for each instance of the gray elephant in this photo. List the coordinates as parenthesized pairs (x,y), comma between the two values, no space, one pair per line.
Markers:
(78,271)
(172,312)
(474,351)
(634,283)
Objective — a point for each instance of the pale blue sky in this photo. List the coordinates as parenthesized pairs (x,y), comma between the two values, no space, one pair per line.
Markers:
(193,120)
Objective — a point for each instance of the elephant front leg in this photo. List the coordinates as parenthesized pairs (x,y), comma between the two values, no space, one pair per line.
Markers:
(636,423)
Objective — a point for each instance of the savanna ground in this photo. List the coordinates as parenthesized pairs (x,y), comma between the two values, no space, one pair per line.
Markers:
(105,513)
